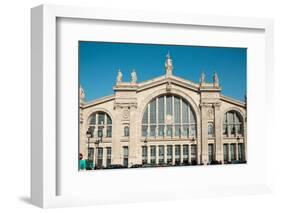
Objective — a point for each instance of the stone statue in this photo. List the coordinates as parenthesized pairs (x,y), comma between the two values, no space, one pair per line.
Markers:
(134,77)
(202,78)
(169,65)
(81,94)
(216,79)
(119,77)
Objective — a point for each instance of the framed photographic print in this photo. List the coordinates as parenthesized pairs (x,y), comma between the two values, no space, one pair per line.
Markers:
(148,105)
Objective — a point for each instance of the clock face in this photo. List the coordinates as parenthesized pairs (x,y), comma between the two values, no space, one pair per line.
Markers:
(169,119)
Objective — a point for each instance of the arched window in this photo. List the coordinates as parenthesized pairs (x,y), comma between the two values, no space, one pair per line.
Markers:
(210,129)
(100,124)
(126,131)
(232,124)
(169,116)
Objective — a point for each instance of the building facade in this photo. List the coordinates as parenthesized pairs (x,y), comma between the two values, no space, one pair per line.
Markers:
(163,121)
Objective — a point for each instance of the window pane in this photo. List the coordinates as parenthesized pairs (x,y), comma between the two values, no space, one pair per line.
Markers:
(144,130)
(108,131)
(126,131)
(153,112)
(169,130)
(101,118)
(185,131)
(192,116)
(153,130)
(145,117)
(161,109)
(185,112)
(177,109)
(108,120)
(161,130)
(169,105)
(225,152)
(177,130)
(93,119)
(232,151)
(240,151)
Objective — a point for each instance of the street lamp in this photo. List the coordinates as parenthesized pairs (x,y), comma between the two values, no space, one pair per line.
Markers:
(98,141)
(89,135)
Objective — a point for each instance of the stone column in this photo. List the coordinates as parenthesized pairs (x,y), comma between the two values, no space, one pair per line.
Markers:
(218,132)
(134,157)
(104,153)
(117,157)
(204,133)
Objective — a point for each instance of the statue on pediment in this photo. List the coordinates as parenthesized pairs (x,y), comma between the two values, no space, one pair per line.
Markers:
(215,80)
(202,78)
(119,77)
(169,65)
(133,77)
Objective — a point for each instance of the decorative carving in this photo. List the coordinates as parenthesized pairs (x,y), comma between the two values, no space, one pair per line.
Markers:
(169,119)
(126,114)
(133,77)
(119,77)
(210,113)
(169,86)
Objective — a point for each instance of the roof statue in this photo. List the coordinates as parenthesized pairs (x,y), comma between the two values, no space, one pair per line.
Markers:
(119,76)
(215,80)
(81,94)
(134,77)
(169,65)
(202,78)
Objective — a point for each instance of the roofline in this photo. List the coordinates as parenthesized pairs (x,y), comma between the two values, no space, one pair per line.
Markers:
(233,101)
(99,101)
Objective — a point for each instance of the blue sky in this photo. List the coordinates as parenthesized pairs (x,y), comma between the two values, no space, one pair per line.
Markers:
(100,61)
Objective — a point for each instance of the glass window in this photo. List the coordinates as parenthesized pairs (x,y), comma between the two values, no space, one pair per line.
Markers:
(91,154)
(153,112)
(193,154)
(145,117)
(108,156)
(177,154)
(169,130)
(108,131)
(100,156)
(153,154)
(161,130)
(101,118)
(210,129)
(144,131)
(169,105)
(185,153)
(144,154)
(177,130)
(177,110)
(161,154)
(232,152)
(126,131)
(185,113)
(125,156)
(169,154)
(98,122)
(93,119)
(241,151)
(153,130)
(225,153)
(232,124)
(161,110)
(211,152)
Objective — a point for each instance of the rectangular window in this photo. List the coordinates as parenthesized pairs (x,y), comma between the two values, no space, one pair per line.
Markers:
(144,130)
(145,117)
(101,118)
(225,129)
(169,105)
(232,152)
(169,154)
(225,153)
(240,151)
(153,154)
(108,156)
(177,154)
(161,155)
(153,112)
(100,131)
(185,132)
(91,153)
(177,130)
(152,130)
(144,154)
(193,154)
(211,152)
(185,153)
(161,130)
(100,156)
(177,110)
(169,131)
(108,131)
(185,112)
(193,130)
(161,110)
(125,156)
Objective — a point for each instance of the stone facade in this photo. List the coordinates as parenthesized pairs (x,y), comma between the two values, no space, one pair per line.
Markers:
(218,134)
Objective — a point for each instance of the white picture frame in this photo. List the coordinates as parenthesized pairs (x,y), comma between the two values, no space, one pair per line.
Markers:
(44,148)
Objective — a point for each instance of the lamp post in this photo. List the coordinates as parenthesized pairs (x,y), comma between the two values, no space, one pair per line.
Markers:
(98,141)
(89,136)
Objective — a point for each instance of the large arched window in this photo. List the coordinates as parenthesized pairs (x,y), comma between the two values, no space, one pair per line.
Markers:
(100,124)
(169,116)
(232,124)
